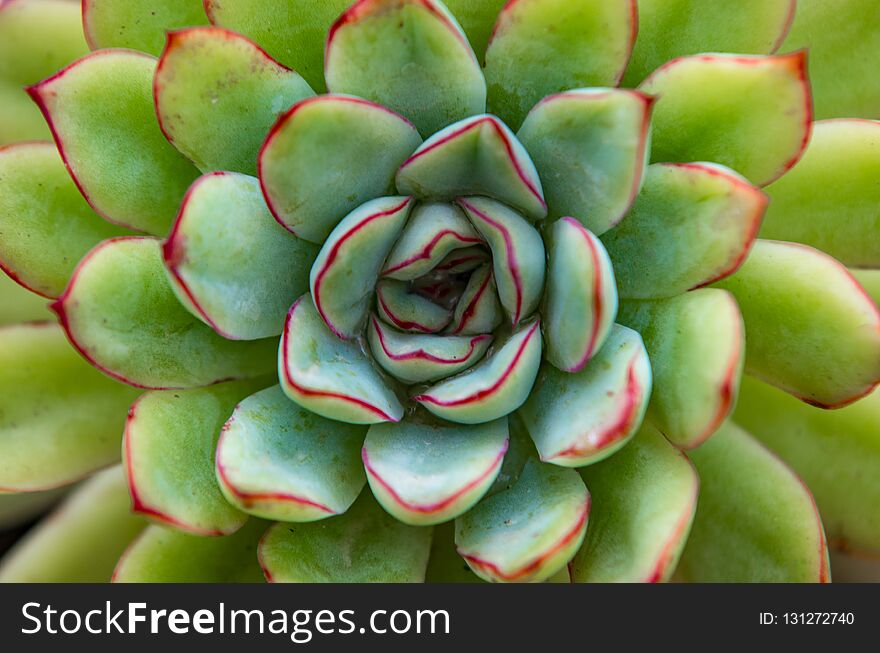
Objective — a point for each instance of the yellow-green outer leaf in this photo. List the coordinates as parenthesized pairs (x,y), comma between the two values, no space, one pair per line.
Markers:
(82,540)
(60,419)
(756,520)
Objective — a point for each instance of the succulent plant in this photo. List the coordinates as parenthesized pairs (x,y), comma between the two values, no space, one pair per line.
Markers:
(393,297)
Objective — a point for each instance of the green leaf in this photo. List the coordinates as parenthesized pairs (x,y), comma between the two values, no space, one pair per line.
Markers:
(36,39)
(20,508)
(591,146)
(82,539)
(836,177)
(102,116)
(47,226)
(165,555)
(329,155)
(217,94)
(756,521)
(675,28)
(120,312)
(419,358)
(494,388)
(840,36)
(293,31)
(811,329)
(434,231)
(20,305)
(445,565)
(578,419)
(170,439)
(329,376)
(137,24)
(541,47)
(870,281)
(581,290)
(750,113)
(692,224)
(478,310)
(230,263)
(519,262)
(408,55)
(409,311)
(477,156)
(347,268)
(426,472)
(836,452)
(527,533)
(279,461)
(644,499)
(696,343)
(477,18)
(365,545)
(60,419)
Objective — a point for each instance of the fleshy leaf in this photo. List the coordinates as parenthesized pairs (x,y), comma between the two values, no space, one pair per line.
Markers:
(137,24)
(644,498)
(676,28)
(463,260)
(477,18)
(756,521)
(836,452)
(836,177)
(494,388)
(60,419)
(36,39)
(433,231)
(478,309)
(750,113)
(22,507)
(696,343)
(81,540)
(170,439)
(810,327)
(408,55)
(426,472)
(445,565)
(217,94)
(840,36)
(870,281)
(47,226)
(416,358)
(120,312)
(303,161)
(293,31)
(578,419)
(365,545)
(692,224)
(328,376)
(165,555)
(477,156)
(344,275)
(409,311)
(517,253)
(529,532)
(279,461)
(580,290)
(230,263)
(20,305)
(541,47)
(591,146)
(101,112)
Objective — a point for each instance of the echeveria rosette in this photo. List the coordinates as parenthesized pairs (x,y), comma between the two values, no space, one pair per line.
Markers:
(508,295)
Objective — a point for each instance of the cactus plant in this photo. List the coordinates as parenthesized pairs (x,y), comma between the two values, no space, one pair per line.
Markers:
(406,291)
